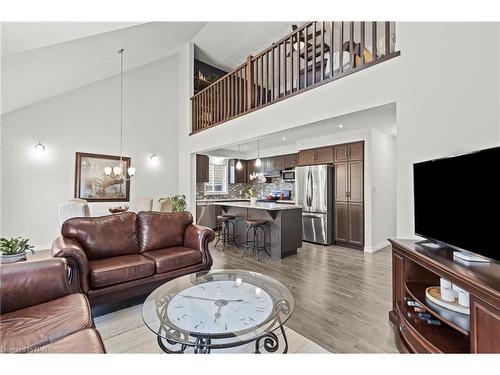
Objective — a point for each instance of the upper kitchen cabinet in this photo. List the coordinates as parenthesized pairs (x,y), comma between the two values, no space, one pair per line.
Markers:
(251,168)
(320,155)
(202,166)
(348,151)
(291,161)
(238,176)
(273,164)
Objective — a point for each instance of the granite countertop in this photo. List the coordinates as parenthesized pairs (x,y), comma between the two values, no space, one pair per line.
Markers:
(222,200)
(270,206)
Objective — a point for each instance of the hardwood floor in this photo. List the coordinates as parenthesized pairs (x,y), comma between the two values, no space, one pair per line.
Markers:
(342,296)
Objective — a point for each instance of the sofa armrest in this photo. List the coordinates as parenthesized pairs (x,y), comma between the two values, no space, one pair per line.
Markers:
(198,237)
(77,260)
(30,283)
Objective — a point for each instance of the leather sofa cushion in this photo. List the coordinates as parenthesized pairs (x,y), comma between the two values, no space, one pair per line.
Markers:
(158,230)
(35,326)
(105,236)
(173,258)
(110,271)
(86,341)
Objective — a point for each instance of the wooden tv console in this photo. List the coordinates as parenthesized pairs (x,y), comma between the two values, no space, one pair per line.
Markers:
(416,267)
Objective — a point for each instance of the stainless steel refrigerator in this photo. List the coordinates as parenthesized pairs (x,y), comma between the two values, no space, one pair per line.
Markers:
(313,191)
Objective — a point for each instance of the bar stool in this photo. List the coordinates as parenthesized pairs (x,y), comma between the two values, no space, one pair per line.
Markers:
(225,229)
(258,227)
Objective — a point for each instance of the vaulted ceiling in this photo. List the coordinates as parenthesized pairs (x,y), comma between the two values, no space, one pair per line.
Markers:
(44,59)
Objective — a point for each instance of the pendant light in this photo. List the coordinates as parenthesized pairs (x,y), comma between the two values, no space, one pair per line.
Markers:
(238,163)
(118,174)
(258,162)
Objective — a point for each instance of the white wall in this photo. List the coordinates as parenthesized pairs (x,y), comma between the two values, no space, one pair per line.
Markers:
(87,120)
(383,189)
(446,104)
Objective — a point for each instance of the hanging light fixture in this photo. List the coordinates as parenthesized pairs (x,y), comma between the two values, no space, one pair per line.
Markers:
(238,163)
(258,162)
(259,176)
(117,173)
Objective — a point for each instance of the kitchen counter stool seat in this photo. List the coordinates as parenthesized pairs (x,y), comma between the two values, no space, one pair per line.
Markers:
(258,242)
(225,230)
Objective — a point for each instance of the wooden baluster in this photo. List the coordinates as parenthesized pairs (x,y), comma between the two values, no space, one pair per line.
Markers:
(351,44)
(279,70)
(341,48)
(290,41)
(332,46)
(193,114)
(274,70)
(314,54)
(362,48)
(285,73)
(322,51)
(267,78)
(256,82)
(223,99)
(387,38)
(297,73)
(261,88)
(249,80)
(306,50)
(374,40)
(202,110)
(237,98)
(244,89)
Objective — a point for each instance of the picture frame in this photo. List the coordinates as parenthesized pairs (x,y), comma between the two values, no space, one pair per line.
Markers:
(91,182)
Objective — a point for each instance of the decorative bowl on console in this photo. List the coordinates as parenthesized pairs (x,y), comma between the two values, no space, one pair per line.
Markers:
(117,210)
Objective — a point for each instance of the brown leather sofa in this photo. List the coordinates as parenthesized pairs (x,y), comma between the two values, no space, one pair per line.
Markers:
(40,314)
(120,256)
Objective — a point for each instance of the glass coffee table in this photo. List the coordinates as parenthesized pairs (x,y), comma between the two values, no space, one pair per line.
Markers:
(219,309)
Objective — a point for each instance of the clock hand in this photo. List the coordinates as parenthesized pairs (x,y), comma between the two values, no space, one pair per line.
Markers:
(218,314)
(212,299)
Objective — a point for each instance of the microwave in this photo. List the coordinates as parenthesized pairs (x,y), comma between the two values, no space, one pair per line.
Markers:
(288,175)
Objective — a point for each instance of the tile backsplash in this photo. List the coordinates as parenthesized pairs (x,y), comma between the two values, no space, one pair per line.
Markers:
(236,191)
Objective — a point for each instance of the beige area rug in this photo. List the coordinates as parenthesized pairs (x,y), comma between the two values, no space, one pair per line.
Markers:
(124,332)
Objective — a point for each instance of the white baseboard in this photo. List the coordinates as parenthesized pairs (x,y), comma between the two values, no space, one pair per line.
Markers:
(380,246)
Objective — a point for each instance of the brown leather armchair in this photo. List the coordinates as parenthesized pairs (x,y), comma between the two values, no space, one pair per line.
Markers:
(39,313)
(125,255)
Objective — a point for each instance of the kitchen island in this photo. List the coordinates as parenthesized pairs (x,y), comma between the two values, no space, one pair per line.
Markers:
(284,229)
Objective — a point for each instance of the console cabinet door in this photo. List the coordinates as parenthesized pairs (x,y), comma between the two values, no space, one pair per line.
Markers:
(355,181)
(485,327)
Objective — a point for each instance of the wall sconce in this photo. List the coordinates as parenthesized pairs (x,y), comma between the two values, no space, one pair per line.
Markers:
(155,159)
(39,148)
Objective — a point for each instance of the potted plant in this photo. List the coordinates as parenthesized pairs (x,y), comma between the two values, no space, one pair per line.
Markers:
(250,193)
(14,249)
(177,201)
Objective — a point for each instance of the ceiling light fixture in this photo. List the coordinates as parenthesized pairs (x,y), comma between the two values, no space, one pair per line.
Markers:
(116,173)
(283,139)
(341,126)
(154,158)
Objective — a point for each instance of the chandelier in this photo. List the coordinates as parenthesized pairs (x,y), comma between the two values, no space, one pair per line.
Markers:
(116,173)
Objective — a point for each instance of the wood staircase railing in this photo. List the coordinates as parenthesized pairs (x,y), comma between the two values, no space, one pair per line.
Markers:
(306,58)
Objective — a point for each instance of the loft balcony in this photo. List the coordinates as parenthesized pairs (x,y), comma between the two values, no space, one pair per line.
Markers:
(311,55)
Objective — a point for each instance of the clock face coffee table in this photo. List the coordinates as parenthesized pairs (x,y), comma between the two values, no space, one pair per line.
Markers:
(218,309)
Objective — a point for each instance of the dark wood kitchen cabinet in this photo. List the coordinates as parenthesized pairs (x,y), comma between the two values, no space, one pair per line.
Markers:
(348,193)
(291,161)
(348,151)
(251,168)
(320,155)
(202,165)
(273,164)
(238,176)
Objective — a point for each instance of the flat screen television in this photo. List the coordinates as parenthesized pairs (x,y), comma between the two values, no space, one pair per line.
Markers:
(457,201)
